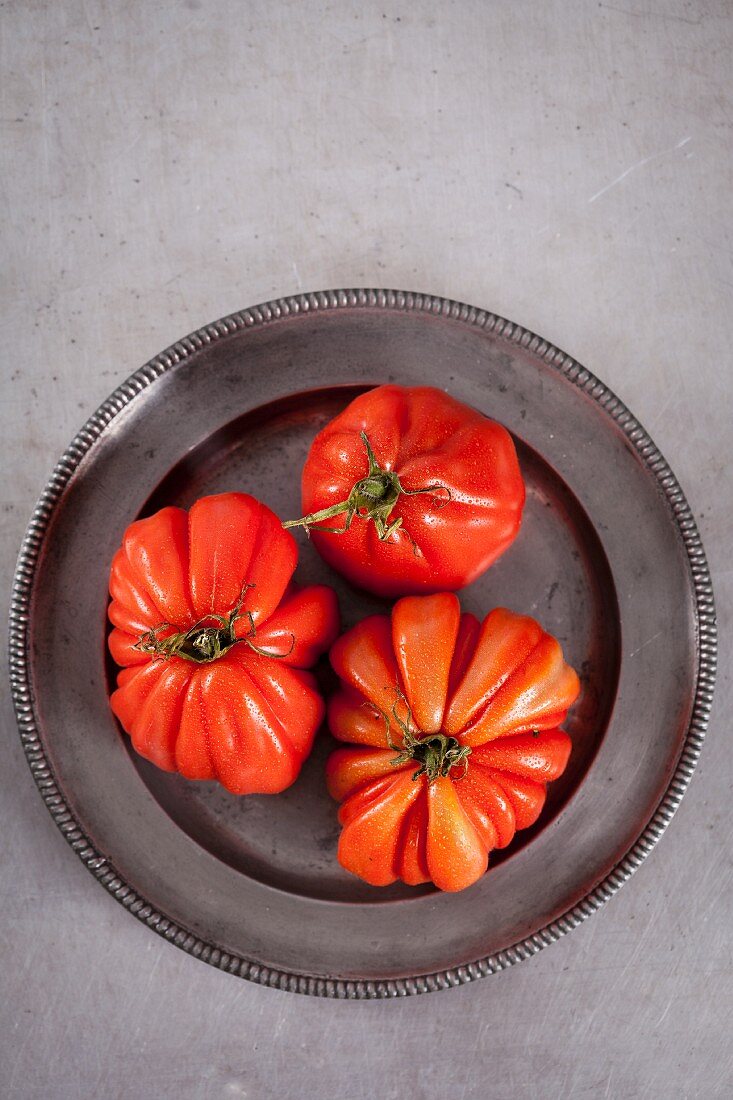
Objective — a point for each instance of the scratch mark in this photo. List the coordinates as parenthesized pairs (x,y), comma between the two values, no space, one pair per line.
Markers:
(654,15)
(296,273)
(166,46)
(646,643)
(515,188)
(372,121)
(661,410)
(639,164)
(662,1017)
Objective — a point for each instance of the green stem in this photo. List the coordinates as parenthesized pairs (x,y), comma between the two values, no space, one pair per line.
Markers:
(202,643)
(436,753)
(372,498)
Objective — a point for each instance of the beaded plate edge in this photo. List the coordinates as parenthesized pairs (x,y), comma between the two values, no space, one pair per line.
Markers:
(265,314)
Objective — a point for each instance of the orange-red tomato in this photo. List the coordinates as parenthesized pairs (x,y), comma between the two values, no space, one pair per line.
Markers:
(408,490)
(213,638)
(454,735)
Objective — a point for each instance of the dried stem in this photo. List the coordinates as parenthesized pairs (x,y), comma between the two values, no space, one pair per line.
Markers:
(204,642)
(436,753)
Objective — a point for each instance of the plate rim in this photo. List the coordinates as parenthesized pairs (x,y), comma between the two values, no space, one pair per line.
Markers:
(264,314)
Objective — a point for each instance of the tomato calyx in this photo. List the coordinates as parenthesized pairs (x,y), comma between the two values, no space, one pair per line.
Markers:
(207,640)
(371,498)
(436,753)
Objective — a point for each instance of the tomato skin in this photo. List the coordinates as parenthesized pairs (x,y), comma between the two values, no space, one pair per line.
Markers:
(447,537)
(498,690)
(246,718)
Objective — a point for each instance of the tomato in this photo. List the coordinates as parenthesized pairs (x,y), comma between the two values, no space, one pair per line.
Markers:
(453,731)
(409,491)
(213,638)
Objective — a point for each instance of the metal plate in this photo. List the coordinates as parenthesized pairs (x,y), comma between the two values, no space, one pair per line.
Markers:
(608,559)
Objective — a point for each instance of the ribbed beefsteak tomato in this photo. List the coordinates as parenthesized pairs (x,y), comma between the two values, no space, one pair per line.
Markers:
(454,731)
(213,638)
(408,491)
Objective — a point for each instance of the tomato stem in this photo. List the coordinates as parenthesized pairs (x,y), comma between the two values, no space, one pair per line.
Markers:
(371,498)
(204,642)
(436,753)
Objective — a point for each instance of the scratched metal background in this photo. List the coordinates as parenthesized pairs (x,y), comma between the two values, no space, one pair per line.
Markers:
(564,164)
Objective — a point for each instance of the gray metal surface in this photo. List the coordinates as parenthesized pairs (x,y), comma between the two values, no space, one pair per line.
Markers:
(252,885)
(165,165)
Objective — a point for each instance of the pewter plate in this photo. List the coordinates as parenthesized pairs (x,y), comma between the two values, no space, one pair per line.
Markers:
(608,559)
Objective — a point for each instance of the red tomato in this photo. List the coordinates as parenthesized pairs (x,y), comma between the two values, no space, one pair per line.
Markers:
(212,638)
(408,490)
(454,732)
